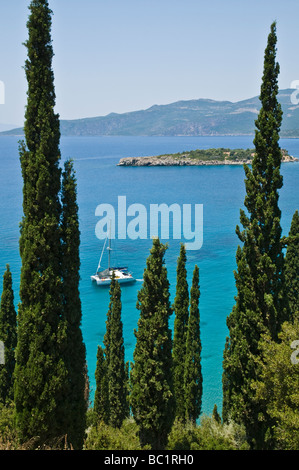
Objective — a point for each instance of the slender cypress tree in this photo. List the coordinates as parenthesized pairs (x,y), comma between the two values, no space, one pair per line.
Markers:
(261,301)
(8,335)
(116,370)
(102,392)
(111,397)
(181,305)
(101,396)
(292,267)
(152,398)
(107,336)
(216,415)
(192,373)
(74,354)
(40,370)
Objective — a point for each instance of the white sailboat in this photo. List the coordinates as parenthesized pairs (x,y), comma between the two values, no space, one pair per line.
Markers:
(121,273)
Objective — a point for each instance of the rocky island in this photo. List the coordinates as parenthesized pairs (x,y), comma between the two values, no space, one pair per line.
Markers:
(220,156)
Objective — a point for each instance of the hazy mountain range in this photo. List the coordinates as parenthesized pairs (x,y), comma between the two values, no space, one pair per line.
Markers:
(6,127)
(193,117)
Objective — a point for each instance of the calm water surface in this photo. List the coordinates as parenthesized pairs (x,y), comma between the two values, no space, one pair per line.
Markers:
(221,191)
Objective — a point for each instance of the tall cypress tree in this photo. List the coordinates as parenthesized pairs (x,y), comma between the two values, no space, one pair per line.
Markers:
(107,335)
(74,353)
(8,335)
(152,398)
(260,302)
(181,305)
(101,396)
(292,267)
(111,397)
(103,359)
(40,369)
(116,368)
(192,372)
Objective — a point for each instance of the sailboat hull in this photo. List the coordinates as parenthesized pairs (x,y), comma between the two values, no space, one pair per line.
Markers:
(103,278)
(121,276)
(107,282)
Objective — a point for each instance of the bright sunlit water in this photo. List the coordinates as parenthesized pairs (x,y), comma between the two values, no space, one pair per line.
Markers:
(219,188)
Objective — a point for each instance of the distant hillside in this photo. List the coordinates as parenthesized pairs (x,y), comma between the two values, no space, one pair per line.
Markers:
(194,117)
(7,127)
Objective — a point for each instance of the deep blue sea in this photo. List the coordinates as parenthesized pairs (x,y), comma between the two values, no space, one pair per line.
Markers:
(221,191)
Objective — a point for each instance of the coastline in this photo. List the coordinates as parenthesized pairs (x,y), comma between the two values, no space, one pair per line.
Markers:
(185,160)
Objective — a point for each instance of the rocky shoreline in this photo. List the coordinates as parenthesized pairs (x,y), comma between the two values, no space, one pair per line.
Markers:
(184,160)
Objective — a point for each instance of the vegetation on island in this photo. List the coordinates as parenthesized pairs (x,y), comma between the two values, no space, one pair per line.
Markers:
(213,156)
(220,154)
(154,403)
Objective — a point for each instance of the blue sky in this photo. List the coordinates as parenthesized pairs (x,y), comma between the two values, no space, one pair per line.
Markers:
(124,55)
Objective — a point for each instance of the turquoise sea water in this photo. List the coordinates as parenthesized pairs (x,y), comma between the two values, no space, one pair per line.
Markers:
(219,188)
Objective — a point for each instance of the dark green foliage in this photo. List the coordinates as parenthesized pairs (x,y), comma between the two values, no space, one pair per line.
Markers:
(192,373)
(111,397)
(50,356)
(74,353)
(292,267)
(262,229)
(40,370)
(107,336)
(261,301)
(101,400)
(40,156)
(101,397)
(181,304)
(278,386)
(216,415)
(152,389)
(116,368)
(8,335)
(51,368)
(8,434)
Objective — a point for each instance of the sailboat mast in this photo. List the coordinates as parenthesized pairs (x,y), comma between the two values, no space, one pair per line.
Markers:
(109,248)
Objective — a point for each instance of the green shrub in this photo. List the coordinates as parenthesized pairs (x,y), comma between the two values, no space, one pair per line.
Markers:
(8,433)
(209,435)
(104,437)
